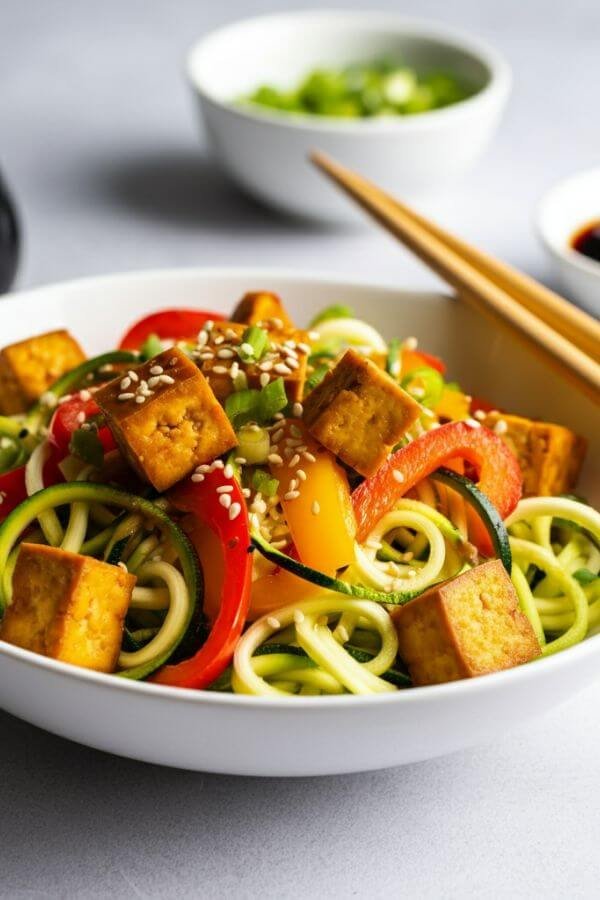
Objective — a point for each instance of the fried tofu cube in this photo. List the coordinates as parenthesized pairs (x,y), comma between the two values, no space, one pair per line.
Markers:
(359,413)
(262,308)
(286,357)
(550,456)
(28,368)
(67,606)
(468,626)
(166,419)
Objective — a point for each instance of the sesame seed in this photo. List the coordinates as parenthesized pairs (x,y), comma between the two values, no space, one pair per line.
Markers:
(81,418)
(500,427)
(219,340)
(247,348)
(225,489)
(479,415)
(231,334)
(65,399)
(264,379)
(272,622)
(304,347)
(218,464)
(472,423)
(293,442)
(309,456)
(202,338)
(208,354)
(241,460)
(48,399)
(246,492)
(294,461)
(122,565)
(278,417)
(225,500)
(411,343)
(85,395)
(397,476)
(133,375)
(152,382)
(228,471)
(301,474)
(275,459)
(292,363)
(277,435)
(235,369)
(125,383)
(297,410)
(282,369)
(140,398)
(291,495)
(166,379)
(266,366)
(209,325)
(123,397)
(156,370)
(202,470)
(293,484)
(220,370)
(315,508)
(298,616)
(197,477)
(225,353)
(234,510)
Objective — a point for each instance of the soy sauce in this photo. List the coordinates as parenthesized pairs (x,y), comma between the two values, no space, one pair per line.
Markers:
(587,241)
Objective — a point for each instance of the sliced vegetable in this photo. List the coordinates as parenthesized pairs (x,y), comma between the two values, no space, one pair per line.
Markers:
(12,491)
(414,359)
(256,406)
(230,525)
(69,417)
(425,384)
(453,404)
(499,475)
(255,341)
(168,325)
(335,311)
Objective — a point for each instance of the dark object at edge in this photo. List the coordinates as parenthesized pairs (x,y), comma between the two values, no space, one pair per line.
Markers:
(9,239)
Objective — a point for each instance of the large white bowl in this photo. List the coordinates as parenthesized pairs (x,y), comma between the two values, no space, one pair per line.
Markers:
(304,735)
(564,209)
(266,152)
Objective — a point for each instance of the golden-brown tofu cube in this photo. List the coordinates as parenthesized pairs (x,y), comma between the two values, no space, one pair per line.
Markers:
(468,626)
(262,308)
(28,368)
(166,419)
(220,361)
(68,607)
(359,413)
(550,456)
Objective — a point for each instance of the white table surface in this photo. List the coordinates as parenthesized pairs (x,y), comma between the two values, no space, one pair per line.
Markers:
(98,141)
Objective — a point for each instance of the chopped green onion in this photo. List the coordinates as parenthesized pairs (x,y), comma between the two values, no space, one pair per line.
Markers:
(262,481)
(332,312)
(315,378)
(584,576)
(151,347)
(242,407)
(425,385)
(273,399)
(255,338)
(393,365)
(253,444)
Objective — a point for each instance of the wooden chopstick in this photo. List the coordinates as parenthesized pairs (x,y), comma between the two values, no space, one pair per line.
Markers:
(477,286)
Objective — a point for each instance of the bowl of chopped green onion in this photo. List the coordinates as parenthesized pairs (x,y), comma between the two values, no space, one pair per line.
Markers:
(409,103)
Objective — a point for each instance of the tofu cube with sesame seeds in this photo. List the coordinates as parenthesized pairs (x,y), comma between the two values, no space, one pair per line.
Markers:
(468,626)
(262,308)
(67,606)
(359,413)
(28,368)
(166,419)
(550,456)
(221,358)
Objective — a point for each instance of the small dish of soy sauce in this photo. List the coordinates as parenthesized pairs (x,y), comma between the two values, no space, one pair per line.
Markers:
(568,220)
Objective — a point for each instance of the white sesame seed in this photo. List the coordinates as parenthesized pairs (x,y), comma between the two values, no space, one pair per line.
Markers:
(85,395)
(225,489)
(247,349)
(234,510)
(274,623)
(209,325)
(282,369)
(304,347)
(152,382)
(123,397)
(166,379)
(241,460)
(277,435)
(49,399)
(219,340)
(218,464)
(197,477)
(266,366)
(275,459)
(291,495)
(298,616)
(297,410)
(292,363)
(208,354)
(479,415)
(294,461)
(301,474)
(278,417)
(140,398)
(225,500)
(246,492)
(202,470)
(228,471)
(133,375)
(314,335)
(125,383)
(202,338)
(156,370)
(472,423)
(231,334)
(225,353)
(264,379)
(220,370)
(81,417)
(500,427)
(293,442)
(65,399)
(235,369)
(309,456)
(397,475)
(315,508)
(411,343)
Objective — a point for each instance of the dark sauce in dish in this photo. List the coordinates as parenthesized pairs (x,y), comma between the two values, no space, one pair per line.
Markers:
(587,241)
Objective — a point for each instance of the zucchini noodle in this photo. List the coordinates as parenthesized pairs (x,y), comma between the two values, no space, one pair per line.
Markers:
(315,637)
(34,482)
(354,332)
(78,520)
(179,604)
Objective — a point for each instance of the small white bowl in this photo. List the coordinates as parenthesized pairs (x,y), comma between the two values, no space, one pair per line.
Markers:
(567,207)
(266,152)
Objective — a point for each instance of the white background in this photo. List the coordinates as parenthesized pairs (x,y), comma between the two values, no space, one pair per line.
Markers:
(99,143)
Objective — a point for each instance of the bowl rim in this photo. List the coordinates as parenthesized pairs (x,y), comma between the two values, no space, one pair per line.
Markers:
(432,693)
(497,88)
(559,249)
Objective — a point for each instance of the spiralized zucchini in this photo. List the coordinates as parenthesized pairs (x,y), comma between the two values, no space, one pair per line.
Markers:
(552,538)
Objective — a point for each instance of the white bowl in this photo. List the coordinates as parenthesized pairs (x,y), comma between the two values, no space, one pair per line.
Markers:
(304,735)
(565,209)
(266,152)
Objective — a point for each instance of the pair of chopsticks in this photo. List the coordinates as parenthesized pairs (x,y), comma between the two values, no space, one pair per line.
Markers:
(567,338)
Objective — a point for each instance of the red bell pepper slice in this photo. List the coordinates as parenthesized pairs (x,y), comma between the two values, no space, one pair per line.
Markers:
(497,468)
(168,324)
(12,490)
(415,359)
(66,420)
(211,660)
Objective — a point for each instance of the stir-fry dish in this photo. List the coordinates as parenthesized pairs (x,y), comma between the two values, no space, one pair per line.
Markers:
(380,88)
(242,505)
